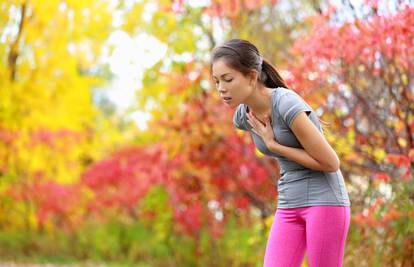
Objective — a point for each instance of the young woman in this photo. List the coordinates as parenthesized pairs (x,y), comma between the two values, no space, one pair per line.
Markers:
(313,209)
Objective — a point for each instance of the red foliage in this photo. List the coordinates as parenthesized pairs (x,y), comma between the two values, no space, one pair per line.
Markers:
(190,217)
(382,176)
(360,42)
(52,201)
(7,136)
(398,160)
(209,166)
(51,138)
(401,161)
(121,180)
(53,198)
(352,61)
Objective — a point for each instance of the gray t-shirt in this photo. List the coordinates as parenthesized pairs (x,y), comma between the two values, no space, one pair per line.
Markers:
(298,185)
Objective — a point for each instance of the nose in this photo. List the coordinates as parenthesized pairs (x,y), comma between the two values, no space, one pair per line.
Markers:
(220,88)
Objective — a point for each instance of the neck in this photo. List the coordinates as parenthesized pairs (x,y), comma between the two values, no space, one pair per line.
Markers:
(259,101)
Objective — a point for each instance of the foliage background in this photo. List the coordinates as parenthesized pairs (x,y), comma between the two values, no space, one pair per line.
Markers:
(80,182)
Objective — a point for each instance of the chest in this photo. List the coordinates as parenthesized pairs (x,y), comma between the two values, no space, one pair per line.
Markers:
(283,135)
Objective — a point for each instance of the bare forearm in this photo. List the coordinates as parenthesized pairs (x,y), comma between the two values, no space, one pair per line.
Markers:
(298,155)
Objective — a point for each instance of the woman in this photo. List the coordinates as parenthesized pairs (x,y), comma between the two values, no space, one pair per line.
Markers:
(313,209)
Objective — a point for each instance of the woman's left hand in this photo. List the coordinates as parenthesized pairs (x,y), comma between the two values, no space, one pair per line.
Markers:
(264,131)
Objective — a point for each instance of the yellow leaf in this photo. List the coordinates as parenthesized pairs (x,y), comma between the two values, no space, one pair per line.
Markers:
(379,154)
(402,142)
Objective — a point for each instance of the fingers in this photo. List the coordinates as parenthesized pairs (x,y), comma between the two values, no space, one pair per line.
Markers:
(250,123)
(253,123)
(256,122)
(250,119)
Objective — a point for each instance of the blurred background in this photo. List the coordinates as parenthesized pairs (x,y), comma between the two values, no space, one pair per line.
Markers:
(115,149)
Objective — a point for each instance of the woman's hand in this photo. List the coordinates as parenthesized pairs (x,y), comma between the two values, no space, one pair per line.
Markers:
(265,131)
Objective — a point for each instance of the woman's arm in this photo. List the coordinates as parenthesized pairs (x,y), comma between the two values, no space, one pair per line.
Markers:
(299,155)
(317,153)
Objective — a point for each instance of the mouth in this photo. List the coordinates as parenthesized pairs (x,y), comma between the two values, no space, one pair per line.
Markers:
(226,99)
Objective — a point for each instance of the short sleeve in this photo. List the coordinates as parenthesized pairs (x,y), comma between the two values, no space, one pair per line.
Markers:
(290,105)
(239,120)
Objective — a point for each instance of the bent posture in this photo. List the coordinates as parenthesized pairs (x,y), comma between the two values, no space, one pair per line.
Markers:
(313,207)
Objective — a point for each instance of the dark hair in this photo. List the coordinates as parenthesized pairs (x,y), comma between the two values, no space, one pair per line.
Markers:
(243,56)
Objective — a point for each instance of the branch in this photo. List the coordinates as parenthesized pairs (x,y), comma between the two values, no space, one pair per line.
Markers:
(14,54)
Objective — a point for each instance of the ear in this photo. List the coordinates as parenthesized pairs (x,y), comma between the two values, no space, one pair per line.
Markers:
(252,77)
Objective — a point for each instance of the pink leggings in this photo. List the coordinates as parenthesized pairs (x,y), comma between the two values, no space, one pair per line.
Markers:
(320,230)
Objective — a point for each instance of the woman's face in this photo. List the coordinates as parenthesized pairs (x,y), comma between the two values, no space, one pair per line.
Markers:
(231,84)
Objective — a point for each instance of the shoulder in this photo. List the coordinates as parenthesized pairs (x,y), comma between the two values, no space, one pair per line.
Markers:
(285,97)
(289,104)
(283,93)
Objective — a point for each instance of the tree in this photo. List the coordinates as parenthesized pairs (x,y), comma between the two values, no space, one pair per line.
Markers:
(359,71)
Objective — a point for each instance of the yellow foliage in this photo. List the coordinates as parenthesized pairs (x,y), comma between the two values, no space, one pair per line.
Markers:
(48,109)
(402,142)
(133,18)
(379,154)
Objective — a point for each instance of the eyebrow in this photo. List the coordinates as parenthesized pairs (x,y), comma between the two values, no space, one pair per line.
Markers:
(222,74)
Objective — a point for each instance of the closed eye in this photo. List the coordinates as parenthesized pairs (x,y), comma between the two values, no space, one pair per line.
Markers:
(227,81)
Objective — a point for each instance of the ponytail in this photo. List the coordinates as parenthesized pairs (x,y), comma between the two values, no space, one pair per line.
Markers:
(272,79)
